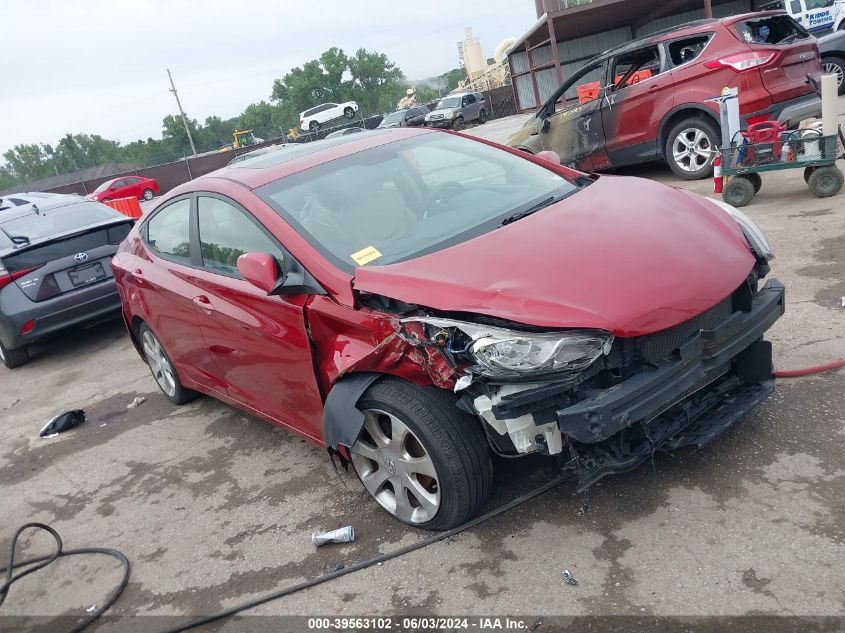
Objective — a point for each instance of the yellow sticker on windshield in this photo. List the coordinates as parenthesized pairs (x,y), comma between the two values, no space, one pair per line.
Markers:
(365,255)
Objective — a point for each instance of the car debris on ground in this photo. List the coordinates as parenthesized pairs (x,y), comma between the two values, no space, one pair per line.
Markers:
(62,422)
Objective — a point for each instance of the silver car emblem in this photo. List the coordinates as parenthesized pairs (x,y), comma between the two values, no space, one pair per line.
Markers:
(81,257)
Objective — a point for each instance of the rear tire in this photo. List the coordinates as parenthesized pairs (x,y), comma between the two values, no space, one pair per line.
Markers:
(348,112)
(313,126)
(825,182)
(14,357)
(482,117)
(162,368)
(437,439)
(689,147)
(835,66)
(148,194)
(739,191)
(808,171)
(756,180)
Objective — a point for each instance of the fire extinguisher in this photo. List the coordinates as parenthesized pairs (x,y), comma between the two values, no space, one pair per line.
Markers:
(717,174)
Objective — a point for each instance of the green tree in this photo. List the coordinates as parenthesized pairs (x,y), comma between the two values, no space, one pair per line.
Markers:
(28,161)
(7,179)
(173,132)
(377,84)
(368,77)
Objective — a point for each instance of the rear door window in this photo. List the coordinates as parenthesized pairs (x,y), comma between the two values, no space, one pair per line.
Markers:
(226,233)
(772,30)
(687,49)
(168,231)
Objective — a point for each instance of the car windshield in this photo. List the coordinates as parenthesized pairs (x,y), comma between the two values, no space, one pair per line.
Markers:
(104,186)
(393,117)
(58,220)
(449,102)
(408,198)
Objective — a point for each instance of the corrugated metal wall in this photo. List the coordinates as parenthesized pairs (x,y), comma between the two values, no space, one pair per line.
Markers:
(719,11)
(582,48)
(524,92)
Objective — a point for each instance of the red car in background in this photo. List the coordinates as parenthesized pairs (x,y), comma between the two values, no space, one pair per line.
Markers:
(125,187)
(416,301)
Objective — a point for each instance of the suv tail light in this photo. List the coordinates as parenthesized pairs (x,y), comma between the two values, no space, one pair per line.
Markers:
(6,277)
(743,61)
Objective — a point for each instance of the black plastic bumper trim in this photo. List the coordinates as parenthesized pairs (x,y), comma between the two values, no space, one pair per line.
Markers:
(703,358)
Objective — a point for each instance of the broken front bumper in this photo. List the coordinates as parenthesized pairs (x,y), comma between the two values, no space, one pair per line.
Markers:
(702,360)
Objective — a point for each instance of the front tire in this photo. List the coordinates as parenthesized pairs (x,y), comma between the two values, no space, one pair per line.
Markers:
(14,357)
(348,112)
(690,148)
(162,368)
(739,191)
(458,124)
(148,194)
(419,457)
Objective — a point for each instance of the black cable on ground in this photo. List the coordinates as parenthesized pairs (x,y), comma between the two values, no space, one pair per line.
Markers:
(41,562)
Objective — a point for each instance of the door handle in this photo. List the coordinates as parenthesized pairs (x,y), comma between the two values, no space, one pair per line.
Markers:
(654,89)
(203,302)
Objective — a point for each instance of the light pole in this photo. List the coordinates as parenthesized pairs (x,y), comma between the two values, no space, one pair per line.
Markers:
(182,112)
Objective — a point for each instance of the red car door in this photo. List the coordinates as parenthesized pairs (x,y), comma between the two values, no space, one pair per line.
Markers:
(641,94)
(133,187)
(161,276)
(259,343)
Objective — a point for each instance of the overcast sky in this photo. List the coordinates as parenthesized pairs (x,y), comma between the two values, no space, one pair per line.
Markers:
(98,66)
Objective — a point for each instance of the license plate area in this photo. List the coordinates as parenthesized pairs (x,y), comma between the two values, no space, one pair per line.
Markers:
(87,274)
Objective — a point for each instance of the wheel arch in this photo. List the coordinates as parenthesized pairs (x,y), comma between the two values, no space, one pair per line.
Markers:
(681,113)
(342,421)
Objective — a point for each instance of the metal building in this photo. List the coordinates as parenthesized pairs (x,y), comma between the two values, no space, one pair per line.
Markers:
(581,29)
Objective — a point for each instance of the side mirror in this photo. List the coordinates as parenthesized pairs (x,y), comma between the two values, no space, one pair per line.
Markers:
(552,157)
(262,271)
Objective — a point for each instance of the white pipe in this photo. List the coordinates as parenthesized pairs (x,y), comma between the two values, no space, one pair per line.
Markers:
(504,45)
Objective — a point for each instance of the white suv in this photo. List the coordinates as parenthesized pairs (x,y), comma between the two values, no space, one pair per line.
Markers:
(311,120)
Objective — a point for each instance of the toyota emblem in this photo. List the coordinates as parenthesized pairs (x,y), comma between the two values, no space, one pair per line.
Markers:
(81,257)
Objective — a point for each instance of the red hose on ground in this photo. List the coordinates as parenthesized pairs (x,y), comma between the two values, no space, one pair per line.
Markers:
(792,373)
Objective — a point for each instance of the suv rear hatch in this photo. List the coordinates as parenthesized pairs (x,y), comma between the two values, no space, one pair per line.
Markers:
(785,54)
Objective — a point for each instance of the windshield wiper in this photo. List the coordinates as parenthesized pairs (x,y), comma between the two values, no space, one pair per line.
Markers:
(16,239)
(533,209)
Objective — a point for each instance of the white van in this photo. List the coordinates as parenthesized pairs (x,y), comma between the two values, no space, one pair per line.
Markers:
(813,15)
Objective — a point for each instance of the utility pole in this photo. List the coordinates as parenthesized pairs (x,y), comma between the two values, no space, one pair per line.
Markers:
(182,112)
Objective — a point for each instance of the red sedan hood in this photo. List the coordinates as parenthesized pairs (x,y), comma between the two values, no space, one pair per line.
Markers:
(626,255)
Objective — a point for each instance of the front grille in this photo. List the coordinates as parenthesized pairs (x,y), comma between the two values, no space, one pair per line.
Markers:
(659,345)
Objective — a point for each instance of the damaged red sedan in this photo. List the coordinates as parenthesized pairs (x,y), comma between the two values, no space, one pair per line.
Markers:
(417,301)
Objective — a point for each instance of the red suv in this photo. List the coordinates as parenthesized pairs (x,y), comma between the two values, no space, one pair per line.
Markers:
(649,99)
(416,301)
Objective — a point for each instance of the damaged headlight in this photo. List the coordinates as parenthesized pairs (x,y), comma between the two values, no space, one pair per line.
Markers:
(501,353)
(753,233)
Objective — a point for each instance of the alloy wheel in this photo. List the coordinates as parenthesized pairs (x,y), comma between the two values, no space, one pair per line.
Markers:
(148,194)
(830,68)
(396,468)
(691,149)
(159,364)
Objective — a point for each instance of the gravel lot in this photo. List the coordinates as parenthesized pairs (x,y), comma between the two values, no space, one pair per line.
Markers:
(214,507)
